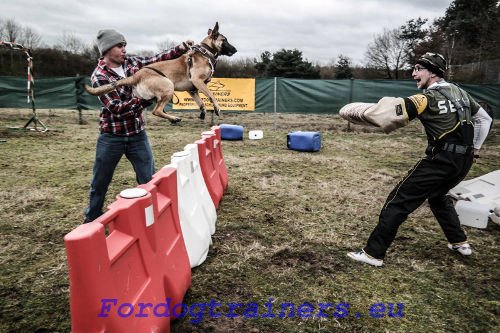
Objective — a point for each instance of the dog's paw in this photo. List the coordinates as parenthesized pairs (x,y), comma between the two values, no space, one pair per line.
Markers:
(202,115)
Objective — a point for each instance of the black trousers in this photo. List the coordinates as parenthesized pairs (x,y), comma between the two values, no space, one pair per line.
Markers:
(431,178)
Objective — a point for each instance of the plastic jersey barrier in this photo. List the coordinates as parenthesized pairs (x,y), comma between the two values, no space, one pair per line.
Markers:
(194,223)
(219,158)
(173,254)
(201,189)
(132,255)
(209,170)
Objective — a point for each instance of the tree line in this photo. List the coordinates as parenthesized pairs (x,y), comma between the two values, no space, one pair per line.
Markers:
(467,35)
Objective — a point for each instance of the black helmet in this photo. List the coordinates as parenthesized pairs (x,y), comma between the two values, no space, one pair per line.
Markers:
(434,62)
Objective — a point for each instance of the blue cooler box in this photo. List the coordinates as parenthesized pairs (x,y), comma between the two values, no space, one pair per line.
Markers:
(231,132)
(304,141)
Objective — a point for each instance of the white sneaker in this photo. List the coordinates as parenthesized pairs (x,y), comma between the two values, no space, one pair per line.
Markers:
(366,258)
(464,248)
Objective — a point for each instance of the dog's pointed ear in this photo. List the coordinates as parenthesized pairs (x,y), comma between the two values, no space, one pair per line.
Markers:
(215,31)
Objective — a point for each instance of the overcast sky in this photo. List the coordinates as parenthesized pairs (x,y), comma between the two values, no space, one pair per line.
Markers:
(321,29)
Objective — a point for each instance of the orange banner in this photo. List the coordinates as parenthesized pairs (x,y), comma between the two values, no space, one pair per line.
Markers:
(231,94)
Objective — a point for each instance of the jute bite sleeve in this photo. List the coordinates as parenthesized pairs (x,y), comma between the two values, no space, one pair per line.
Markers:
(389,113)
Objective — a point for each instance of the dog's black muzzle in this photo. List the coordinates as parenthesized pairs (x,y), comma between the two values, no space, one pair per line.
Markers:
(227,49)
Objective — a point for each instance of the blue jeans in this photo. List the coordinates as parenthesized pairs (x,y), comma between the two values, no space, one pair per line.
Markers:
(109,150)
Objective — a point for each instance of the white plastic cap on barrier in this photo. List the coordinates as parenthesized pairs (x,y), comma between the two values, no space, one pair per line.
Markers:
(472,214)
(133,193)
(207,133)
(255,135)
(181,153)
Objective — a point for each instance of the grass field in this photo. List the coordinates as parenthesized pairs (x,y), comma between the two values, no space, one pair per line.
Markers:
(284,227)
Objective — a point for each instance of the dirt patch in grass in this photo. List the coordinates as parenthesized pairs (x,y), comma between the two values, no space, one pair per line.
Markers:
(284,227)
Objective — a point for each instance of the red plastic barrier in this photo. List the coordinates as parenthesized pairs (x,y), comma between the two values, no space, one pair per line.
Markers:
(129,267)
(209,169)
(219,158)
(175,260)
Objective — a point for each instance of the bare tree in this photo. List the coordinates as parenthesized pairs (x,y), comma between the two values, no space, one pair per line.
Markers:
(91,52)
(1,29)
(235,68)
(388,52)
(327,72)
(166,44)
(11,30)
(71,43)
(30,38)
(144,53)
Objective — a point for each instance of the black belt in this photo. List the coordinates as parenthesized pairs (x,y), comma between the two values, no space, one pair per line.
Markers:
(455,148)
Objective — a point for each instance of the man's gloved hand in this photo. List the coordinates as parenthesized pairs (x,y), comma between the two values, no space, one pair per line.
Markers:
(476,154)
(144,102)
(186,45)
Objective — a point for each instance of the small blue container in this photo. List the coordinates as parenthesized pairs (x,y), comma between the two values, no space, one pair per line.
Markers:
(304,141)
(231,132)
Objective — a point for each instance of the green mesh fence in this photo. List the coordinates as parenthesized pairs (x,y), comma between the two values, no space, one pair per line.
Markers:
(271,95)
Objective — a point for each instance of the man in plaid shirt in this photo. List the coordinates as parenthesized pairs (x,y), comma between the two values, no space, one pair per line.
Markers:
(122,130)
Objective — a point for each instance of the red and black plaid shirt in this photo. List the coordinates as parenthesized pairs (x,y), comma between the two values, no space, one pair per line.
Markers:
(121,112)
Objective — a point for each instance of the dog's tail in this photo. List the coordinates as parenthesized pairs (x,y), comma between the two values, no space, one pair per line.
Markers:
(109,87)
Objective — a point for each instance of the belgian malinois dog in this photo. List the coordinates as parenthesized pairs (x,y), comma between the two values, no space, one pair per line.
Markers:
(190,72)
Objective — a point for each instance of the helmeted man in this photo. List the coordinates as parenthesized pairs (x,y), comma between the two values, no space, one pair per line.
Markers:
(456,127)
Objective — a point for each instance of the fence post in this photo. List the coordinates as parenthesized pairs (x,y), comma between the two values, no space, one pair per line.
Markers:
(79,92)
(275,100)
(351,88)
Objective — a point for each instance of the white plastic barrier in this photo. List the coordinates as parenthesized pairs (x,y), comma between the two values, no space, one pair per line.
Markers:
(195,228)
(472,214)
(483,190)
(201,190)
(482,198)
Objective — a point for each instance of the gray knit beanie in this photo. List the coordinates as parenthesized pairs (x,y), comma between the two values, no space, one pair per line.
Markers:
(108,38)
